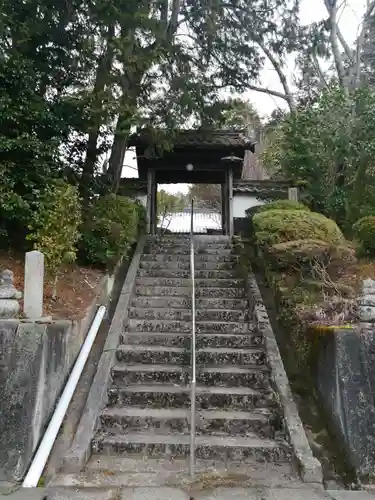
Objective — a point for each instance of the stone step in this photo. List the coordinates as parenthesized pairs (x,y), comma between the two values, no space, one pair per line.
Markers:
(153,325)
(186,282)
(185,250)
(171,314)
(239,340)
(172,420)
(185,246)
(185,303)
(177,396)
(185,273)
(185,265)
(253,376)
(179,291)
(141,471)
(151,354)
(204,258)
(177,445)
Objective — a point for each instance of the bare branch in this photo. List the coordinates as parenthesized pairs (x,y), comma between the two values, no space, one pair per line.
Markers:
(322,79)
(288,93)
(360,42)
(173,22)
(265,90)
(332,10)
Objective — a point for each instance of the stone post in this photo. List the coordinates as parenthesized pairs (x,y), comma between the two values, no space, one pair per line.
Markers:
(293,194)
(9,306)
(34,284)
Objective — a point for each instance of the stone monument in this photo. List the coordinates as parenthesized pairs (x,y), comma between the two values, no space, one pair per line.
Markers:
(9,296)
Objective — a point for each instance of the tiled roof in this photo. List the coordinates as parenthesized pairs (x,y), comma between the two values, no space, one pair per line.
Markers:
(259,187)
(201,138)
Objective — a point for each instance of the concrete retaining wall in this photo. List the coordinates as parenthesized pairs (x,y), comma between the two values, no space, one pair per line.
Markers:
(38,365)
(344,375)
(35,362)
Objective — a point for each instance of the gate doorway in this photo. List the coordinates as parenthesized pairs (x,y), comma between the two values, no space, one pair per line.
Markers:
(197,157)
(173,207)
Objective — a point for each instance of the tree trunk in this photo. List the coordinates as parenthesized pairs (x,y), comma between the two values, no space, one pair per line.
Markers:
(102,73)
(116,160)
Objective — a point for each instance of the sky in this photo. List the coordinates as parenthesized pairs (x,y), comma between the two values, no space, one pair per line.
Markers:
(311,10)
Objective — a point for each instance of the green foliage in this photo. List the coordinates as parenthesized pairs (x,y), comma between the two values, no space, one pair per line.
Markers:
(364,232)
(276,205)
(283,205)
(169,203)
(279,226)
(304,253)
(54,229)
(329,149)
(206,196)
(110,229)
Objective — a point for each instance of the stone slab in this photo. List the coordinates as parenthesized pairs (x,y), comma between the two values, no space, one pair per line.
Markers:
(154,494)
(262,494)
(33,288)
(82,494)
(19,493)
(350,495)
(22,393)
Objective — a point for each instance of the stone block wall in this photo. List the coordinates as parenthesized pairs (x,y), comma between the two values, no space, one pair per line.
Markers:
(36,360)
(344,376)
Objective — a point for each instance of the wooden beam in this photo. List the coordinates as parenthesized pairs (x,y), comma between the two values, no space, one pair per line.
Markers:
(223,209)
(154,221)
(149,200)
(230,204)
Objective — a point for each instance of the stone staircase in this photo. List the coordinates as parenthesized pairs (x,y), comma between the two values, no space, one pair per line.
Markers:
(146,424)
(149,401)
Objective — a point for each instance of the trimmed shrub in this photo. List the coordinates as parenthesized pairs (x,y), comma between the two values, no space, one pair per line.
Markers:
(110,229)
(303,253)
(276,205)
(284,205)
(279,226)
(364,232)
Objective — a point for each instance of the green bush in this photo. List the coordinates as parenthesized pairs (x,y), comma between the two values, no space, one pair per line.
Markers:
(303,253)
(276,205)
(279,226)
(54,229)
(283,205)
(110,229)
(364,232)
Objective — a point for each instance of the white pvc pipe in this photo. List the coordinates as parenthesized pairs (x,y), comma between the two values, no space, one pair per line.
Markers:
(37,466)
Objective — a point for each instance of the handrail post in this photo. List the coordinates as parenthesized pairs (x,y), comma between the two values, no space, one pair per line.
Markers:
(193,346)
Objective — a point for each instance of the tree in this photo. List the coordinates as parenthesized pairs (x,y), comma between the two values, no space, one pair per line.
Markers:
(207,196)
(176,56)
(167,204)
(333,161)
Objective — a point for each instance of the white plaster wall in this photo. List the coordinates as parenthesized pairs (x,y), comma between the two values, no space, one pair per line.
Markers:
(241,202)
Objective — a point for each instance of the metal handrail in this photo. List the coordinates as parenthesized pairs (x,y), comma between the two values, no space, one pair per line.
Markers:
(193,347)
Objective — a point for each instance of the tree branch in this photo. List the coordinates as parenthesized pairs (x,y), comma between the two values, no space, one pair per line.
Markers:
(265,90)
(360,41)
(322,79)
(348,50)
(332,11)
(173,22)
(288,93)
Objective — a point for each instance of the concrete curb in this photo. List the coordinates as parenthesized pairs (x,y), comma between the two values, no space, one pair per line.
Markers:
(80,450)
(310,467)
